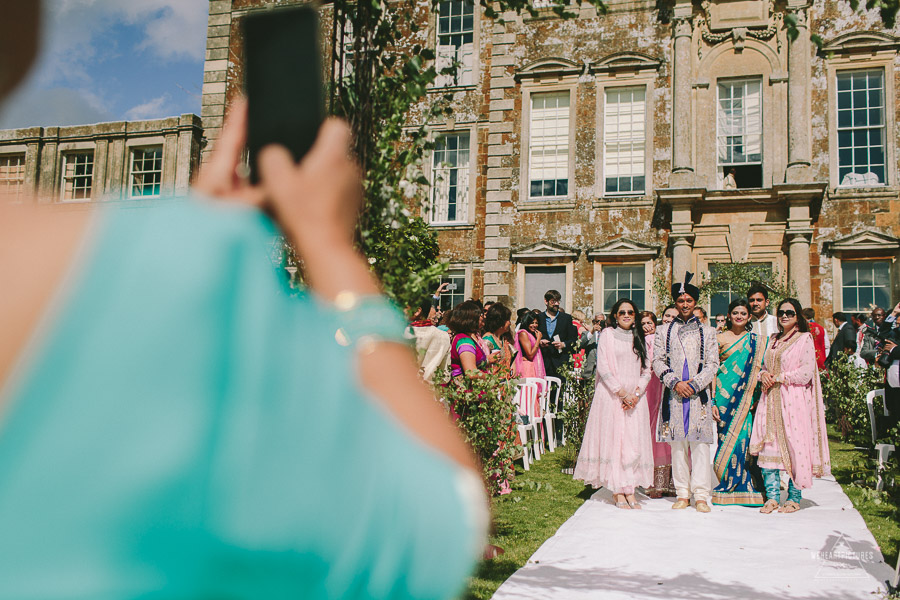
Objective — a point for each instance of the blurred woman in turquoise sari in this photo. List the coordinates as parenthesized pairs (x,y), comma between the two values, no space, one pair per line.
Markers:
(737,392)
(176,423)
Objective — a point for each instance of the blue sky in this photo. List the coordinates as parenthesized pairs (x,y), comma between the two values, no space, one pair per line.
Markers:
(108,60)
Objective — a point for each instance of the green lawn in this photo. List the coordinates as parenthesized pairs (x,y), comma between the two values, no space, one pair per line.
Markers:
(544,498)
(883,520)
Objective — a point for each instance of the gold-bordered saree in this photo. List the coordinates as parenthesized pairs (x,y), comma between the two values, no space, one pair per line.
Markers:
(737,392)
(790,432)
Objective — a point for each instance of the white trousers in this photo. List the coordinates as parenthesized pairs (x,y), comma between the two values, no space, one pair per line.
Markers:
(694,478)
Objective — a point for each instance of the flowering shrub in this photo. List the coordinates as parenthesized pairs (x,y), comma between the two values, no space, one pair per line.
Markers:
(484,412)
(576,405)
(844,389)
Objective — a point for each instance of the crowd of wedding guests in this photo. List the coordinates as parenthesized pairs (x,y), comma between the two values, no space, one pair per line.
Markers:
(670,388)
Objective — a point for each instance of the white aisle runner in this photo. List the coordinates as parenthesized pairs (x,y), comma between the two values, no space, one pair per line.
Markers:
(821,552)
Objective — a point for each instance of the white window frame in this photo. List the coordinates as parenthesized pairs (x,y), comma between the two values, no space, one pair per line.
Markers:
(131,171)
(437,184)
(600,284)
(858,61)
(569,265)
(64,178)
(466,73)
(839,281)
(744,134)
(838,129)
(459,272)
(9,182)
(604,141)
(530,90)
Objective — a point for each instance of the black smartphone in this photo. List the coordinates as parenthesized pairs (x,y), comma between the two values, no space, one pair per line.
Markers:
(283,79)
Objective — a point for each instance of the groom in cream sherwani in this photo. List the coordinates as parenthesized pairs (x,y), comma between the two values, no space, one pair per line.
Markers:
(686,359)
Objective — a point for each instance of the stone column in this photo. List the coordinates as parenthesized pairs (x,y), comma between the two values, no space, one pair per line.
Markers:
(48,178)
(682,237)
(799,234)
(798,263)
(215,70)
(98,187)
(798,100)
(682,160)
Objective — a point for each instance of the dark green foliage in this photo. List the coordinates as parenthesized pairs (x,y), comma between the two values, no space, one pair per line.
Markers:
(728,276)
(385,88)
(576,405)
(484,412)
(844,388)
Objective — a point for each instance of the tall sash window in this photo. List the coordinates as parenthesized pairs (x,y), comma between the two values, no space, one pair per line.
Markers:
(624,122)
(450,179)
(739,133)
(860,128)
(548,146)
(455,41)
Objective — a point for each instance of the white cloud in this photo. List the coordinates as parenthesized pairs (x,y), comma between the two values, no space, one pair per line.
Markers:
(171,29)
(32,107)
(152,109)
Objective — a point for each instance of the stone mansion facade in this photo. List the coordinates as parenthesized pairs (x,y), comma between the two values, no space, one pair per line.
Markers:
(598,153)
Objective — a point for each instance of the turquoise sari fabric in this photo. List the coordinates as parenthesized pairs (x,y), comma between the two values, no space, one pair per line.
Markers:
(183,427)
(736,393)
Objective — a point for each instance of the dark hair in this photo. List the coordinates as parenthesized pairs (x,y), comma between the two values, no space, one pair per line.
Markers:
(734,304)
(758,288)
(424,308)
(637,332)
(668,307)
(860,317)
(489,304)
(520,314)
(466,317)
(809,314)
(702,311)
(652,316)
(840,317)
(497,316)
(478,302)
(552,295)
(528,319)
(802,325)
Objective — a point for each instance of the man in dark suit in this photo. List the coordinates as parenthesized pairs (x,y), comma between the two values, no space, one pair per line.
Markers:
(558,334)
(558,340)
(844,339)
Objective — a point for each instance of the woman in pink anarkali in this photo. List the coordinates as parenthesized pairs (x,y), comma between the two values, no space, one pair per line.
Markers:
(529,361)
(616,452)
(789,428)
(662,451)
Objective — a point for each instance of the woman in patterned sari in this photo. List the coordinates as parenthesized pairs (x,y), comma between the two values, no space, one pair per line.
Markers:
(737,392)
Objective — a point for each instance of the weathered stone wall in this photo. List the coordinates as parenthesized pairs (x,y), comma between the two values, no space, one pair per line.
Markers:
(43,148)
(799,205)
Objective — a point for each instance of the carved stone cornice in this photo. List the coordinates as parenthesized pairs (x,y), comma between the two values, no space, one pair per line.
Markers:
(683,26)
(739,34)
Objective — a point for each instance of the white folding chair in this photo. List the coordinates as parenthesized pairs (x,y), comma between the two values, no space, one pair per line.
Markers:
(525,399)
(537,418)
(554,386)
(882,451)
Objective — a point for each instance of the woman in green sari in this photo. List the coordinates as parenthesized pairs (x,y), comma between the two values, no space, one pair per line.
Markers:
(737,392)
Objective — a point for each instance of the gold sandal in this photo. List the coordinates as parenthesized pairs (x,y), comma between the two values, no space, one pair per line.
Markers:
(769,507)
(789,507)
